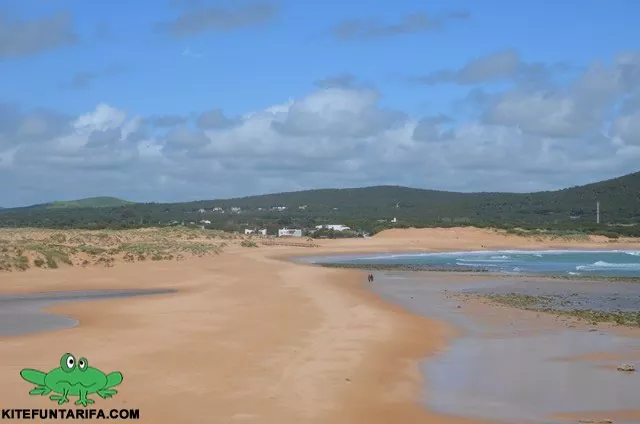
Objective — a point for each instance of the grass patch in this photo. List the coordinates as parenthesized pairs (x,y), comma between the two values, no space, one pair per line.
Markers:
(21,262)
(568,235)
(199,248)
(91,250)
(52,254)
(248,243)
(48,249)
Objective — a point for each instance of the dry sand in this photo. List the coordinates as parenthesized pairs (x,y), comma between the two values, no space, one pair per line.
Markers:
(249,337)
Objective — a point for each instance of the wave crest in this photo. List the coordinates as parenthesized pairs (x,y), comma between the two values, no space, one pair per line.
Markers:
(600,265)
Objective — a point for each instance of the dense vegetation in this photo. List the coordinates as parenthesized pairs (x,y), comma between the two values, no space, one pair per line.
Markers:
(90,202)
(369,209)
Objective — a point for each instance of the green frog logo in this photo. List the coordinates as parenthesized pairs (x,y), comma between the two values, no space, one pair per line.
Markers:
(74,377)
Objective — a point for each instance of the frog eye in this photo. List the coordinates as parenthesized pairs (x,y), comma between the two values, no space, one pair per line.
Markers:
(67,362)
(83,364)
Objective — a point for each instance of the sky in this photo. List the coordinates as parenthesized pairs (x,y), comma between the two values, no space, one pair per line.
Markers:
(179,100)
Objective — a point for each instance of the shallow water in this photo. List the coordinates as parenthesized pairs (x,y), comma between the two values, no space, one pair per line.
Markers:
(22,314)
(623,263)
(500,372)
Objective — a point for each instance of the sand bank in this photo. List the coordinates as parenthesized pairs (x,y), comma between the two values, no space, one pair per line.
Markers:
(245,338)
(249,337)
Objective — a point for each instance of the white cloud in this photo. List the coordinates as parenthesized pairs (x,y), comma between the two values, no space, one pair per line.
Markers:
(576,110)
(627,128)
(336,136)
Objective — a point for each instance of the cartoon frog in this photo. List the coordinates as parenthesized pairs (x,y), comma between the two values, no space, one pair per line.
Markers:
(72,378)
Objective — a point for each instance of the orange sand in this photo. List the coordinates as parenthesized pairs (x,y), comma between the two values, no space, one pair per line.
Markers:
(248,337)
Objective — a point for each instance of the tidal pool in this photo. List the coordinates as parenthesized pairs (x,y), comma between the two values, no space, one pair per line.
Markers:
(22,314)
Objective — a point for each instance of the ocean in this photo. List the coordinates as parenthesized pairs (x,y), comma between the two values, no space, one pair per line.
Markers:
(609,263)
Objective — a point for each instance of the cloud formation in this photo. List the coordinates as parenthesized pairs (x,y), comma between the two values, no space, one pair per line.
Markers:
(499,66)
(84,79)
(340,134)
(198,20)
(22,38)
(366,29)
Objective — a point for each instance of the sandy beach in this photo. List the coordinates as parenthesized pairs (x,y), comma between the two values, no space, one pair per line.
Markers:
(250,337)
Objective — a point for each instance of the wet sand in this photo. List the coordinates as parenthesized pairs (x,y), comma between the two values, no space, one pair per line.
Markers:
(518,366)
(23,314)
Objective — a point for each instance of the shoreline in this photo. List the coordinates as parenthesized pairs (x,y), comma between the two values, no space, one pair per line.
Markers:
(369,347)
(334,335)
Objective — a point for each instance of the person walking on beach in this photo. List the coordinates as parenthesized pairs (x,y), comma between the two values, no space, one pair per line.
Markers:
(370,277)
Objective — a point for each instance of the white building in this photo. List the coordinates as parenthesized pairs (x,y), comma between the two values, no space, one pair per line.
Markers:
(289,232)
(334,227)
(205,221)
(261,232)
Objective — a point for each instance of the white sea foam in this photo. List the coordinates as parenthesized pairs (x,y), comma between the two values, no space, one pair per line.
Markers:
(483,253)
(472,264)
(600,265)
(482,260)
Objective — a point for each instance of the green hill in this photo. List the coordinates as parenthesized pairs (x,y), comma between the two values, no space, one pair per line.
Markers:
(367,208)
(89,202)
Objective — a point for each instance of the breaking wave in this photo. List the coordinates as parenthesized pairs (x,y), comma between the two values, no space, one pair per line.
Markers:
(577,262)
(600,265)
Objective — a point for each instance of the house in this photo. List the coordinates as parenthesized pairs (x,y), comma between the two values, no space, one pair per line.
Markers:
(303,207)
(217,209)
(205,221)
(262,232)
(334,227)
(289,232)
(235,210)
(278,208)
(248,231)
(201,211)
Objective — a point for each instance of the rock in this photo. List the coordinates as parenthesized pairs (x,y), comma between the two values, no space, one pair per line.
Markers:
(626,368)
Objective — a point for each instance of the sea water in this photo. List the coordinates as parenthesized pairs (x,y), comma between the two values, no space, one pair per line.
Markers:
(611,263)
(512,369)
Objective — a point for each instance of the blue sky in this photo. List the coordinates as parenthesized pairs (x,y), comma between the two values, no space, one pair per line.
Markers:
(146,59)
